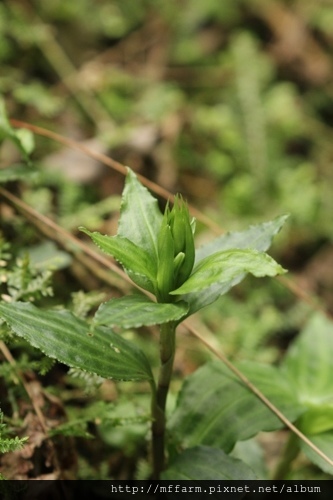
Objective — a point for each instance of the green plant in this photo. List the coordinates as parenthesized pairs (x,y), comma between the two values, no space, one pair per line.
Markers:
(212,399)
(308,365)
(215,105)
(157,252)
(7,443)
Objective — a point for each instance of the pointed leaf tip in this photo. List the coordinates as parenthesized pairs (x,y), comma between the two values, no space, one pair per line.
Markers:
(226,266)
(135,260)
(140,216)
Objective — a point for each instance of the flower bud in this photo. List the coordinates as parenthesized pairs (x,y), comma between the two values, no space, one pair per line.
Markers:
(175,250)
(189,251)
(165,279)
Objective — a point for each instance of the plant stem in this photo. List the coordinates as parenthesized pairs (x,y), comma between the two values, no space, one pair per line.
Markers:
(290,453)
(167,354)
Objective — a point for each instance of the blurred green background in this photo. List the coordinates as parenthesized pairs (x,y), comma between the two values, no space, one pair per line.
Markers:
(229,102)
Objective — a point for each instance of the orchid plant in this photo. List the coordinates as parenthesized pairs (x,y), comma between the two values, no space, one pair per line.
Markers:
(157,251)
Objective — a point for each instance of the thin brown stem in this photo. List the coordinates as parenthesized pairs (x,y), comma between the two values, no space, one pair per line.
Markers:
(115,165)
(60,234)
(291,451)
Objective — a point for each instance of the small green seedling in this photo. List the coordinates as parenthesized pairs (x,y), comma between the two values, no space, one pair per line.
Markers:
(157,252)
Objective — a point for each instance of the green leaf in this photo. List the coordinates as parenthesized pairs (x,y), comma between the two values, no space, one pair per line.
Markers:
(205,463)
(26,140)
(136,310)
(12,444)
(251,452)
(215,408)
(317,418)
(134,259)
(309,362)
(324,442)
(223,268)
(17,172)
(46,255)
(70,340)
(309,365)
(140,217)
(258,237)
(23,139)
